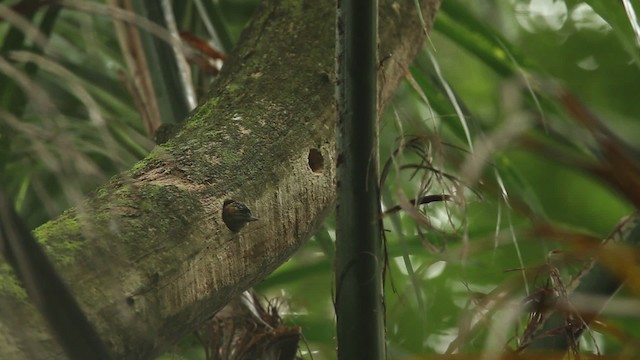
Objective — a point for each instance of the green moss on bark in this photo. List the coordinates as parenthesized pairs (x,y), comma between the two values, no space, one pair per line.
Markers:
(10,285)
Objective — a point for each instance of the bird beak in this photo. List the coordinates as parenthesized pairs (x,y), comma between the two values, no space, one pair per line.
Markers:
(253,218)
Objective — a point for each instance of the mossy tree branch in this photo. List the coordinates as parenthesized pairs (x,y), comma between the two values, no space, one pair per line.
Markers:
(148,256)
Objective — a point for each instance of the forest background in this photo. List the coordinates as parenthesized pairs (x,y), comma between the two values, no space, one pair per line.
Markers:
(524,111)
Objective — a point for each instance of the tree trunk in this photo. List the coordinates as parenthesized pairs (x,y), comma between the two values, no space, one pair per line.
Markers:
(147,255)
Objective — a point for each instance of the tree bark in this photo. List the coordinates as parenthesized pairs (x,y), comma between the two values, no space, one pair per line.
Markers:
(147,255)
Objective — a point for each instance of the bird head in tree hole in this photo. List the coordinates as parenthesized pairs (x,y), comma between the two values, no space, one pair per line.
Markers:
(236,215)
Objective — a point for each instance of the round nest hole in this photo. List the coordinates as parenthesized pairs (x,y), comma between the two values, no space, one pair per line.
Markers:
(316,161)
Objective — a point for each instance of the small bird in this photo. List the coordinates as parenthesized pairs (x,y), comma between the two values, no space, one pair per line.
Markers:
(236,215)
